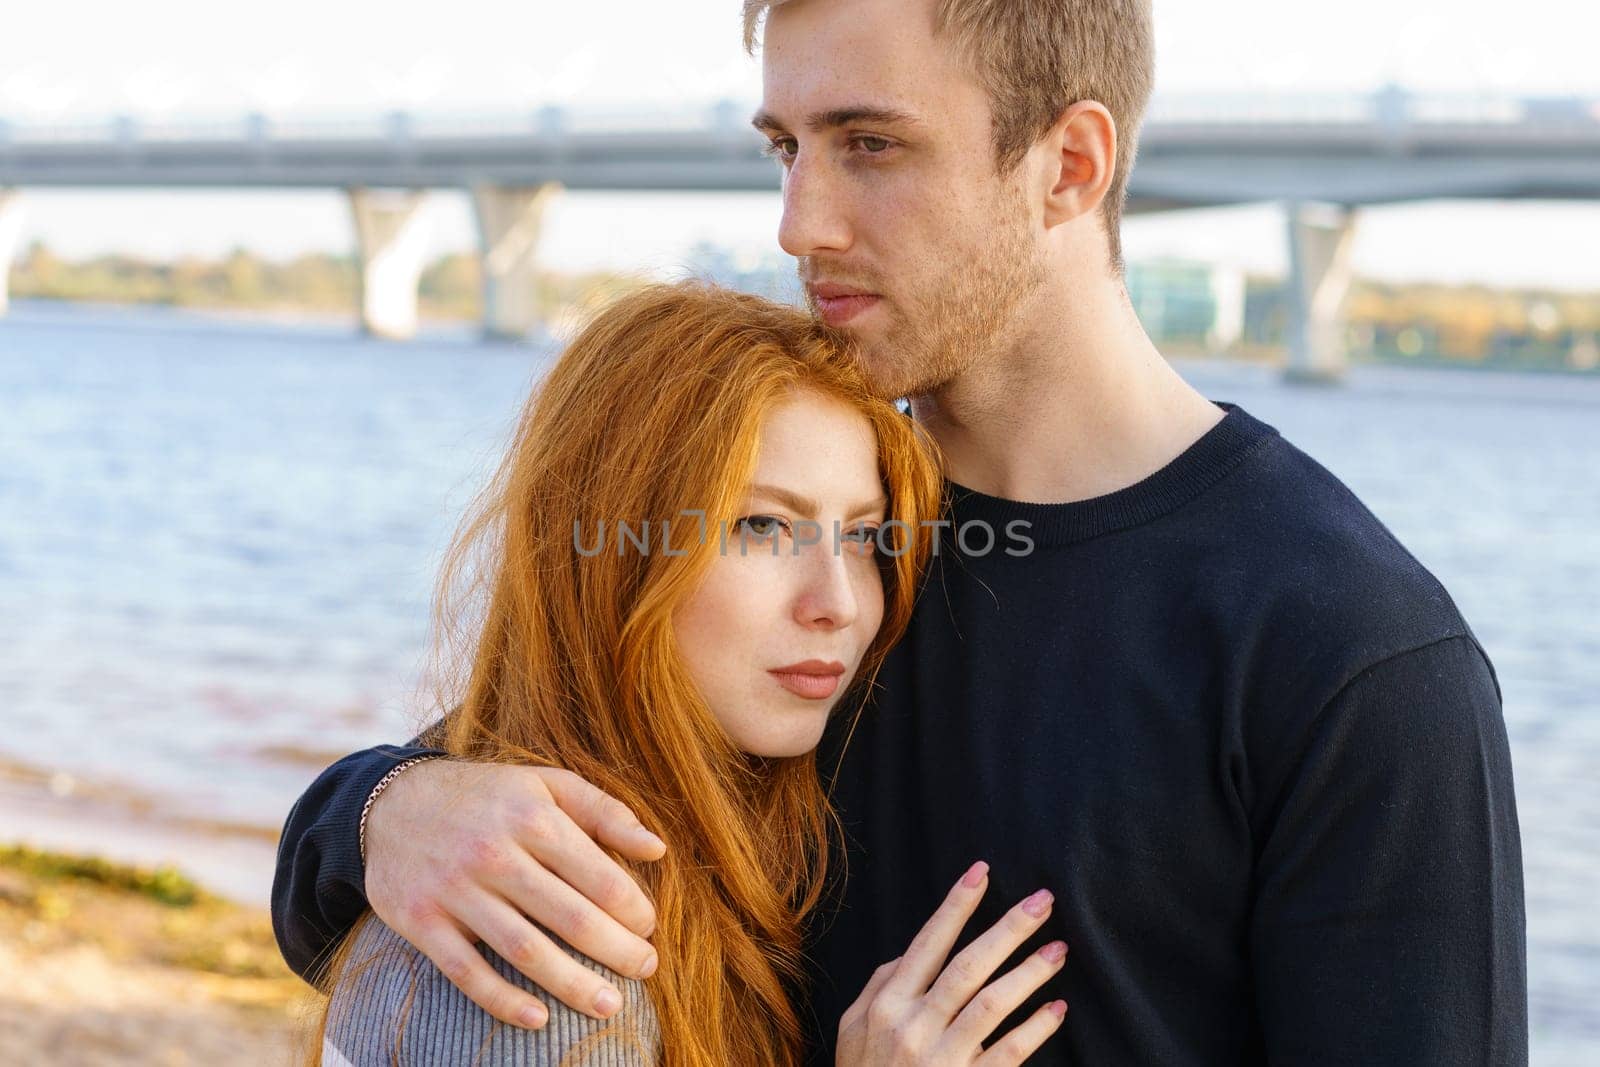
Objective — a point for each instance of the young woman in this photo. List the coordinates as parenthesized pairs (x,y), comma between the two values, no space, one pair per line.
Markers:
(700,546)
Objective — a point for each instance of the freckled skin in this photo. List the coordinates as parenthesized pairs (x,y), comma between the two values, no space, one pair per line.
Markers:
(755,611)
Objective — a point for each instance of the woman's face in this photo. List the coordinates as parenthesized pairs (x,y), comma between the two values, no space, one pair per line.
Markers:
(775,633)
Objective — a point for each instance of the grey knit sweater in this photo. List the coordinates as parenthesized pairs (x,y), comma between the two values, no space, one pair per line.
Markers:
(392,1006)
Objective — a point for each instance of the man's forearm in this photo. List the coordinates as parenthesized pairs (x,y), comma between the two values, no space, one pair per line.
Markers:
(318,889)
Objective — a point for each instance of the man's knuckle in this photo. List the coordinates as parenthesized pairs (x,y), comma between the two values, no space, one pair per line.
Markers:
(455,967)
(579,987)
(551,780)
(416,913)
(481,853)
(541,823)
(613,893)
(557,774)
(580,924)
(523,952)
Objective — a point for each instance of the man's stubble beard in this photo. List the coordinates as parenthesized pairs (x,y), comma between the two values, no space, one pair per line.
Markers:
(937,335)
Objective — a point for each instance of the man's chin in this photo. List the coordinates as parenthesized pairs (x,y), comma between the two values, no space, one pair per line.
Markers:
(877,353)
(880,366)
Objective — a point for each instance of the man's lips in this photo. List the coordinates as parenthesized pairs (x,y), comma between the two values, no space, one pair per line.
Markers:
(838,304)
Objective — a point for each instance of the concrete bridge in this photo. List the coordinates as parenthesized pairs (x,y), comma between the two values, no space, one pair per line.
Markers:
(1325,157)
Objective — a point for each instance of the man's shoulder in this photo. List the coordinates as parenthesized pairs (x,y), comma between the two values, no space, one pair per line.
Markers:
(1315,580)
(1308,532)
(1325,622)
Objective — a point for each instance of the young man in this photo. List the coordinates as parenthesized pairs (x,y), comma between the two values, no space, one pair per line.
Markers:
(1239,731)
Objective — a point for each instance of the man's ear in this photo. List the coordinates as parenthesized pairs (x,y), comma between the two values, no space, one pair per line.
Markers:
(1080,161)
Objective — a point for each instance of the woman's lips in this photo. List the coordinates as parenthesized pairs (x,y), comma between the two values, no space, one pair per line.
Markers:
(812,686)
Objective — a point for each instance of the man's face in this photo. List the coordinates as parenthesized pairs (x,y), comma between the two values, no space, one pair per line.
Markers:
(908,239)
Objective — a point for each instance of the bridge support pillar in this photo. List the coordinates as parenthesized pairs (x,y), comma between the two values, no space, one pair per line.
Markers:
(392,236)
(10,235)
(1320,239)
(1228,297)
(509,221)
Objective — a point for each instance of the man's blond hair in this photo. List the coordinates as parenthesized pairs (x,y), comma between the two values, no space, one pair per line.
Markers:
(1036,58)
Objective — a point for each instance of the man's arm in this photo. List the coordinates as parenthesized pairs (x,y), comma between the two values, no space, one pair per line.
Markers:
(1389,922)
(318,891)
(461,852)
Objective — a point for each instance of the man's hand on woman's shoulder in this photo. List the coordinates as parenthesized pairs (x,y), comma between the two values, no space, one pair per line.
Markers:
(460,852)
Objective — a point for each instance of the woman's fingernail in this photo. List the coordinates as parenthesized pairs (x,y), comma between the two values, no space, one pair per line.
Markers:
(607,1002)
(975,874)
(1038,904)
(648,838)
(534,1016)
(650,966)
(1058,1008)
(1055,951)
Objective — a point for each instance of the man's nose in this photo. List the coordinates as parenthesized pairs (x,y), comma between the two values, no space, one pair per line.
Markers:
(813,217)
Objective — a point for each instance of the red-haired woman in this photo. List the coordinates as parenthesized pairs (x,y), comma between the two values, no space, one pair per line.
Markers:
(700,546)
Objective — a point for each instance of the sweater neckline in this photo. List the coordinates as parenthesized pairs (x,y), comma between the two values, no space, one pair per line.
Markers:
(1194,470)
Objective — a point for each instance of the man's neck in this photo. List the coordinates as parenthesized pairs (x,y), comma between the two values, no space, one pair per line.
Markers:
(1076,402)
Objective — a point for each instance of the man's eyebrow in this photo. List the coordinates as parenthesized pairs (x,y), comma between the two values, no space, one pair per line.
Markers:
(841,116)
(808,507)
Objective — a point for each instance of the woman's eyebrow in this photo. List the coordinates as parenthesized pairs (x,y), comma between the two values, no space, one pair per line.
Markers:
(870,507)
(808,507)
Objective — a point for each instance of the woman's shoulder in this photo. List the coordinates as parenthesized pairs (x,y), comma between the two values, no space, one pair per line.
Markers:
(391,1005)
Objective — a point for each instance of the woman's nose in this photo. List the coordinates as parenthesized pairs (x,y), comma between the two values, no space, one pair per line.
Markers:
(826,597)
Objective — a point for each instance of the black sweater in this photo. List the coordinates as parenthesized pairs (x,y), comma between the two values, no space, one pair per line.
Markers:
(1244,737)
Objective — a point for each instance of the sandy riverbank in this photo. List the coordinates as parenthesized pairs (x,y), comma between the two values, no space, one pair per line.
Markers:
(131,938)
(51,810)
(103,963)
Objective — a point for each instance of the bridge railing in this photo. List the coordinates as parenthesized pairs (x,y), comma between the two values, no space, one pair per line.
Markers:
(1386,106)
(1391,107)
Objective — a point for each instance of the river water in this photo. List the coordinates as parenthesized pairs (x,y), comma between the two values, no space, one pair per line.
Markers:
(218,540)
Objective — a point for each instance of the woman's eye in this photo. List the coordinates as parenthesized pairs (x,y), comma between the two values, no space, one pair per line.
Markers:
(863,538)
(760,525)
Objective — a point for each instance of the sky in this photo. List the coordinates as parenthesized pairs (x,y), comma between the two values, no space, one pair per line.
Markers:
(183,59)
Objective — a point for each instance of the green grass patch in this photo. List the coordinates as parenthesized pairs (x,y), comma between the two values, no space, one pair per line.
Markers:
(165,885)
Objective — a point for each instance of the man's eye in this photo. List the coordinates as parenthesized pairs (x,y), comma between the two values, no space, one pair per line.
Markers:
(780,148)
(873,145)
(760,525)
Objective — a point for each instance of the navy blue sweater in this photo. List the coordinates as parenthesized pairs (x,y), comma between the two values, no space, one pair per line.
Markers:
(1239,731)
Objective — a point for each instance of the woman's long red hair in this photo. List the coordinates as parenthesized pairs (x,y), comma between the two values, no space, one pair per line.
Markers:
(551,656)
